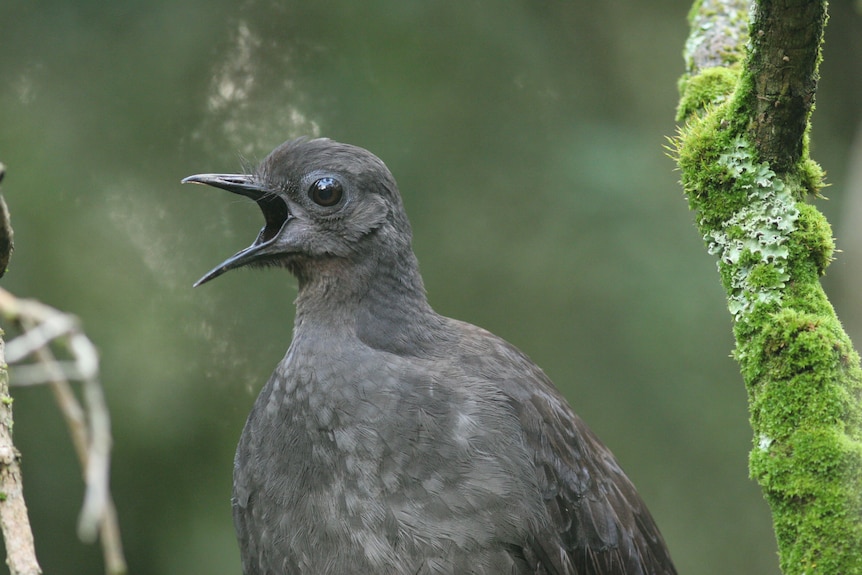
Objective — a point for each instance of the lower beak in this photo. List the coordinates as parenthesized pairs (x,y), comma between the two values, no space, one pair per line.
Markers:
(275,213)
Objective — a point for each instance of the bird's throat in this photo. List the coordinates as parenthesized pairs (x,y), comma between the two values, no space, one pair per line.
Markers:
(387,310)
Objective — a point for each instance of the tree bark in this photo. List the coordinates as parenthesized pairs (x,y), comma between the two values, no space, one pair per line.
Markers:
(15,524)
(785,52)
(14,521)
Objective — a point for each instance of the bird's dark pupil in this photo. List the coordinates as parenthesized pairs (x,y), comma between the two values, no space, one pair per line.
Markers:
(326,192)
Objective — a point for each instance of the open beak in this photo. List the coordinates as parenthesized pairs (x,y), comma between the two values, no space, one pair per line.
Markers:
(275,214)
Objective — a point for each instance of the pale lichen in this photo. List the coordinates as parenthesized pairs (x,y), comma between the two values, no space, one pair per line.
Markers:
(753,240)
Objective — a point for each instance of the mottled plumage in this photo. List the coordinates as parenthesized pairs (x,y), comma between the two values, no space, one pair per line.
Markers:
(391,439)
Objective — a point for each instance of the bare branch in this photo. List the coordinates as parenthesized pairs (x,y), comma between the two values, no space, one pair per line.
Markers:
(90,428)
(14,522)
(783,60)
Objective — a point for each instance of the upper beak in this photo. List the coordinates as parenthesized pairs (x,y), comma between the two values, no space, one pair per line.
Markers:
(275,213)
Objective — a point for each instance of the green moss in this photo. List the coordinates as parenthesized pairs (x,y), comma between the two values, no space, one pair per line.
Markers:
(814,503)
(813,245)
(711,86)
(765,275)
(811,175)
(803,380)
(821,452)
(694,12)
(708,185)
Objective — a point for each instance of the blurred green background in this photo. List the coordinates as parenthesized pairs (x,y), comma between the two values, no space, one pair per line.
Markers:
(527,138)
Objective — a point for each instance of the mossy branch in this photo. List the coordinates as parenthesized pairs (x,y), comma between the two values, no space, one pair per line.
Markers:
(743,154)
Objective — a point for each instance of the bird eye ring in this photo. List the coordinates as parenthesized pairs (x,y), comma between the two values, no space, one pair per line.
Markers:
(326,192)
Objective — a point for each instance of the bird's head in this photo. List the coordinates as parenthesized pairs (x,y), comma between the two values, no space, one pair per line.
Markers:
(322,201)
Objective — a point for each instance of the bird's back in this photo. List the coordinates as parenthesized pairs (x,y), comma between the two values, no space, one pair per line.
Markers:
(593,519)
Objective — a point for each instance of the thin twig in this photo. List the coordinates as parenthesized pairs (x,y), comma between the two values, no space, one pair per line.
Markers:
(40,374)
(90,428)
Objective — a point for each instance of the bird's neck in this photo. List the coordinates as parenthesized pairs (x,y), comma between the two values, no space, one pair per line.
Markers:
(381,301)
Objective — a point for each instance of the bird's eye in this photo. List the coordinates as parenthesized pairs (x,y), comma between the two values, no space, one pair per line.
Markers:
(326,192)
